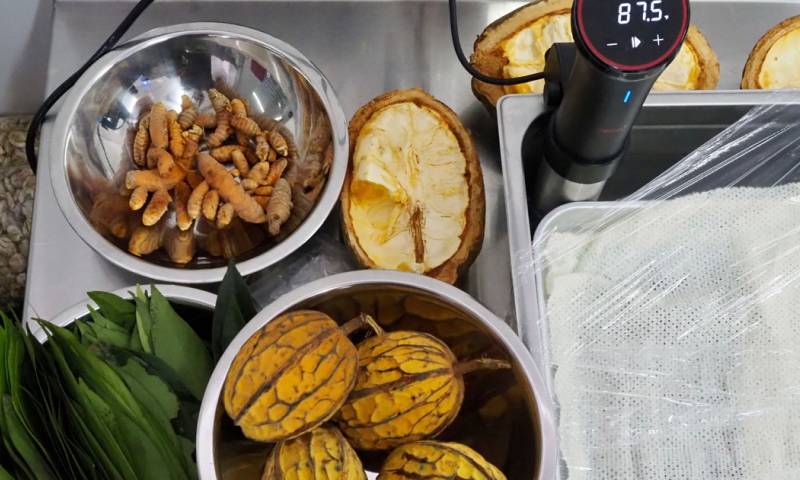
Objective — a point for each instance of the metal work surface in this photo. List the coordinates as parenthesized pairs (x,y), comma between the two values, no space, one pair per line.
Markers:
(364,48)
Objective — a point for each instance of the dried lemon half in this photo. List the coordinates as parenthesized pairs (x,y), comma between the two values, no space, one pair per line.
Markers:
(775,60)
(413,198)
(515,45)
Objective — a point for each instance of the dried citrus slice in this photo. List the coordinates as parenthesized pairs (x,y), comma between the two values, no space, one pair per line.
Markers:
(775,60)
(413,199)
(515,45)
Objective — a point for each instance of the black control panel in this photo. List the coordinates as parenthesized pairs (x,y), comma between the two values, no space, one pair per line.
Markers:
(630,35)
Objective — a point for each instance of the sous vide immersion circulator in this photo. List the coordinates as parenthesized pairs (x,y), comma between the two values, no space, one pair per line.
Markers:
(596,88)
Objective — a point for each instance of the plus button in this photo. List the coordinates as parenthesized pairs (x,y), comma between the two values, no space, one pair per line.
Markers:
(658,40)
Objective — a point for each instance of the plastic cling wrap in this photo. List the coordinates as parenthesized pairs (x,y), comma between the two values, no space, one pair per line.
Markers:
(672,319)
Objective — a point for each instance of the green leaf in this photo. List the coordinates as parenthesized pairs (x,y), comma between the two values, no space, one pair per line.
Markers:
(115,308)
(108,331)
(88,335)
(24,444)
(4,475)
(235,307)
(175,342)
(149,390)
(144,322)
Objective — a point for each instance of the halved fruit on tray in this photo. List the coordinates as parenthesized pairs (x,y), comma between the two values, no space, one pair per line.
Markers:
(774,62)
(515,45)
(413,198)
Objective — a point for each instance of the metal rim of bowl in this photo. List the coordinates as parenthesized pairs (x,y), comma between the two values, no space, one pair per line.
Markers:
(116,255)
(205,450)
(187,295)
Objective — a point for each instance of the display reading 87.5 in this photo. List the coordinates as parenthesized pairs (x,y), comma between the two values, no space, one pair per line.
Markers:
(650,11)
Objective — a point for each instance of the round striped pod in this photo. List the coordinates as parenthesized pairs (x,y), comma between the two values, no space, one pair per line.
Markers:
(409,388)
(292,375)
(429,459)
(322,454)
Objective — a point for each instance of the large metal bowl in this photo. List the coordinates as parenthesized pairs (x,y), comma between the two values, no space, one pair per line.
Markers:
(505,415)
(94,127)
(179,296)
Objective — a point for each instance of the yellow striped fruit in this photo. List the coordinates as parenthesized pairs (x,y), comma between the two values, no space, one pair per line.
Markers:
(428,459)
(322,454)
(409,387)
(292,375)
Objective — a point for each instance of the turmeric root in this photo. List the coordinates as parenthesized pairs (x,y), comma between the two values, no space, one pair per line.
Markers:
(206,120)
(141,141)
(259,173)
(249,184)
(191,141)
(229,189)
(110,212)
(279,206)
(225,215)
(262,200)
(240,162)
(188,113)
(238,108)
(196,199)
(162,160)
(210,205)
(182,218)
(179,245)
(219,102)
(138,198)
(152,181)
(275,171)
(145,239)
(241,138)
(234,172)
(156,208)
(194,179)
(223,130)
(265,190)
(176,141)
(224,153)
(278,143)
(262,147)
(248,126)
(159,133)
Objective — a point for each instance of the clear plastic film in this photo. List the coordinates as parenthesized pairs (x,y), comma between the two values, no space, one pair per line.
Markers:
(671,319)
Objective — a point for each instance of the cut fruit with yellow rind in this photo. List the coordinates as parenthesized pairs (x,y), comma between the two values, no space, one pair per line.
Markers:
(515,45)
(413,199)
(774,62)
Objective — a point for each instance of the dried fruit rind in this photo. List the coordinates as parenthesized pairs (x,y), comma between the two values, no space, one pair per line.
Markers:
(414,180)
(291,376)
(322,454)
(515,45)
(429,460)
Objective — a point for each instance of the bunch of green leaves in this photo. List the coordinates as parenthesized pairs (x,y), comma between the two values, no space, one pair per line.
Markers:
(67,413)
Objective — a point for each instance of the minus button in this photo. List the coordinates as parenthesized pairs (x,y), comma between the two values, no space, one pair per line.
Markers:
(612,44)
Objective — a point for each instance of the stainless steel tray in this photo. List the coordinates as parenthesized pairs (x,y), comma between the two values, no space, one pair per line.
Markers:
(670,126)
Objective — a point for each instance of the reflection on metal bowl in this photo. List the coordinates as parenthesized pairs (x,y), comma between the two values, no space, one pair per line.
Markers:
(505,415)
(95,126)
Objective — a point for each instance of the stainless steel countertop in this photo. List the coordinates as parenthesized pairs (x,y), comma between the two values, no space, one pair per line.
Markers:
(364,48)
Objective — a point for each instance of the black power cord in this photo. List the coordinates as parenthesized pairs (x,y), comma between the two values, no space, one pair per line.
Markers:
(474,71)
(51,99)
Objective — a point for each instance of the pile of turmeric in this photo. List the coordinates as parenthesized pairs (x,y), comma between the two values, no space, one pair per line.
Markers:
(212,167)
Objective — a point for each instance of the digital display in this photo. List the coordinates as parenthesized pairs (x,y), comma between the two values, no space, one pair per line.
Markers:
(631,35)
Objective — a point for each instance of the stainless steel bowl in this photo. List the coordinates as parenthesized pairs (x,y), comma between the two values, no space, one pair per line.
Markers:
(94,127)
(178,295)
(505,416)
